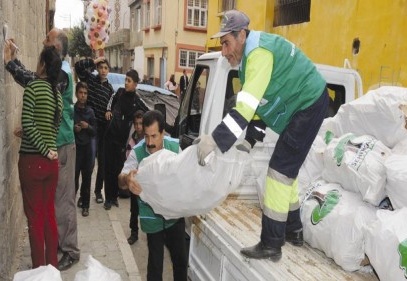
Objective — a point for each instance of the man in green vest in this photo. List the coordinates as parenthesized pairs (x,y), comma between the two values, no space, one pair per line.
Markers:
(281,90)
(159,231)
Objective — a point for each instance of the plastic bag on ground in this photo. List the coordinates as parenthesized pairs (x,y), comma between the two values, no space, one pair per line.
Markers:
(175,185)
(41,273)
(96,272)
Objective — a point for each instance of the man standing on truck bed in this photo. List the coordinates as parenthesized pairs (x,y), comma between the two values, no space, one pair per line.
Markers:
(282,90)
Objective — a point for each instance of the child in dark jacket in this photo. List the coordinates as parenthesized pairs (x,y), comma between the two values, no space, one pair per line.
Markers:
(100,91)
(120,112)
(134,139)
(85,131)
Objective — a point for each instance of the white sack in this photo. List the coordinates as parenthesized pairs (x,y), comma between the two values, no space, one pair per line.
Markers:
(96,272)
(377,113)
(175,185)
(338,232)
(400,148)
(357,164)
(41,273)
(386,244)
(396,186)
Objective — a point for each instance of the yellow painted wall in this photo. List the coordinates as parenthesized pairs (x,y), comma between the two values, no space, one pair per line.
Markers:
(327,38)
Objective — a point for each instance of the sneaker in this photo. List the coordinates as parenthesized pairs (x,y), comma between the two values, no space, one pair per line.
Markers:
(107,205)
(99,198)
(79,202)
(115,202)
(85,212)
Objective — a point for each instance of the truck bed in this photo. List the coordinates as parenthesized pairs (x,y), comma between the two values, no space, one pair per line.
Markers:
(218,237)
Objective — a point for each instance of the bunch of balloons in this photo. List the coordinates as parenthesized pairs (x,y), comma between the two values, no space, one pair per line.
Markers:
(97,24)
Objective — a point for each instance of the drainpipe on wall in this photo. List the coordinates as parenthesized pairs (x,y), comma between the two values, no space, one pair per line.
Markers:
(163,67)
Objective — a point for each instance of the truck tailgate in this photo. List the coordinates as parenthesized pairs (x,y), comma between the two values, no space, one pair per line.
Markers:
(218,237)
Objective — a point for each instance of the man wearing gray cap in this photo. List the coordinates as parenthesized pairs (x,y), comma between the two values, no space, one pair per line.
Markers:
(282,90)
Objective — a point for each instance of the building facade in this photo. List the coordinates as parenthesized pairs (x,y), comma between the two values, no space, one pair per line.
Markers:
(136,36)
(174,35)
(118,49)
(368,36)
(156,37)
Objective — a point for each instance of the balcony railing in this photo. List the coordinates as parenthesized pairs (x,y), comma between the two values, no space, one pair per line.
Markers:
(120,37)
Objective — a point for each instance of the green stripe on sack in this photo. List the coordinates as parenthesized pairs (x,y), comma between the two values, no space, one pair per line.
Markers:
(339,150)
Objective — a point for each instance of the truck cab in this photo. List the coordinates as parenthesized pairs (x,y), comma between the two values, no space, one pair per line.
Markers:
(217,237)
(214,84)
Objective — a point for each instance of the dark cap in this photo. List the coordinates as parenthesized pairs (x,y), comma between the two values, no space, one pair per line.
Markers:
(232,20)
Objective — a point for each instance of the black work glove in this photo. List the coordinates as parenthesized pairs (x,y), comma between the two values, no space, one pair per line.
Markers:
(256,131)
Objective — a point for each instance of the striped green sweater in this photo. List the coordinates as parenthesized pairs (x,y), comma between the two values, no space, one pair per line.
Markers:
(37,118)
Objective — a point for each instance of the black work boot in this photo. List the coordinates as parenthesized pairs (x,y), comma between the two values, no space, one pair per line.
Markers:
(66,262)
(261,251)
(133,237)
(296,237)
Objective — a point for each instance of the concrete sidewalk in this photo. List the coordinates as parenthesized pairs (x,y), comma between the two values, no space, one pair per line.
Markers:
(101,235)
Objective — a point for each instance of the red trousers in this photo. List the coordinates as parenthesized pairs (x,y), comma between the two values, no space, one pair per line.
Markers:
(38,179)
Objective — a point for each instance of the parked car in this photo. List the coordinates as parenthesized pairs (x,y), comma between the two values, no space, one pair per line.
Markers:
(154,97)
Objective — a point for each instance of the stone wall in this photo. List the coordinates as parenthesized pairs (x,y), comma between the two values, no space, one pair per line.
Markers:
(26,20)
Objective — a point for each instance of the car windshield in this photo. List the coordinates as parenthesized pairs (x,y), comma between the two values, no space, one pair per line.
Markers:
(151,95)
(117,81)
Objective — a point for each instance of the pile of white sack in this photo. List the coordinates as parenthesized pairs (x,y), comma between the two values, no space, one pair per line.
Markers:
(357,162)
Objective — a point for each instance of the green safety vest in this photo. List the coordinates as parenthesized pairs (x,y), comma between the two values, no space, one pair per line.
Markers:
(150,222)
(295,83)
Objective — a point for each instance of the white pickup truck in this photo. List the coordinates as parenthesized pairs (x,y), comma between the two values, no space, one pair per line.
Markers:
(217,237)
